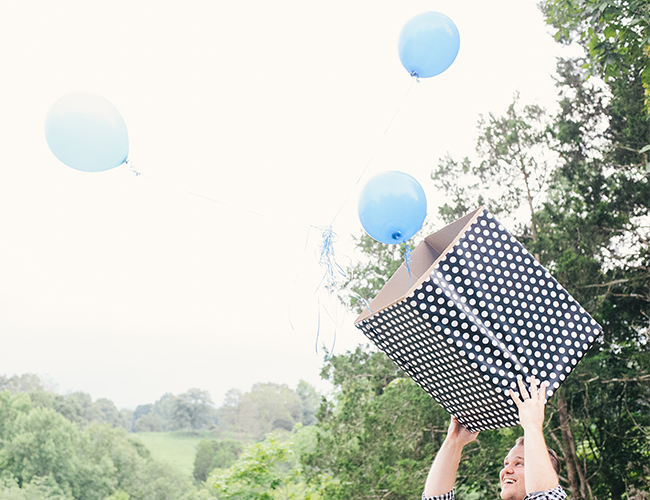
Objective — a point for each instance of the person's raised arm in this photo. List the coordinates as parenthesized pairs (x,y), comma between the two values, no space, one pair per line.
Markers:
(538,469)
(442,475)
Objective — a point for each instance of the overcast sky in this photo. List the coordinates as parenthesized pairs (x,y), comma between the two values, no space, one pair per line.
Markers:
(250,122)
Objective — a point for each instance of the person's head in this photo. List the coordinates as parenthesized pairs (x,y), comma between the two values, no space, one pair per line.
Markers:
(513,486)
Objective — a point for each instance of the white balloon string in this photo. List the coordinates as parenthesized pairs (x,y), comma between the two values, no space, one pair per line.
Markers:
(295,279)
(372,156)
(137,173)
(331,351)
(333,272)
(327,258)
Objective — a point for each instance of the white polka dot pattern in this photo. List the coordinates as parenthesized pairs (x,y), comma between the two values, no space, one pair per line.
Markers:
(487,313)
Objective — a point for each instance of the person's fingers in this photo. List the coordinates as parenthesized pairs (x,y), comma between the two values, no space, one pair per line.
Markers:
(542,390)
(515,397)
(534,391)
(522,388)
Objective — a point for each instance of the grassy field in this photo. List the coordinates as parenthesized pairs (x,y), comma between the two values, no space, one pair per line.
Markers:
(177,448)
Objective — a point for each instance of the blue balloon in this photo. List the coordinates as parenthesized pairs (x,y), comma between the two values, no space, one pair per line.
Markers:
(392,207)
(86,132)
(428,44)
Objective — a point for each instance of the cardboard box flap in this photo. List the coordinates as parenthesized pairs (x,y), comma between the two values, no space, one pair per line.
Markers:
(423,259)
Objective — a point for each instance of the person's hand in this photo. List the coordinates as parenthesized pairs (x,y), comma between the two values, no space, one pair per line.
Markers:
(531,404)
(459,434)
(442,475)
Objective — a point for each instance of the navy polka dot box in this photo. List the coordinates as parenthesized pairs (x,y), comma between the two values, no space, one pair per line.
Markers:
(475,311)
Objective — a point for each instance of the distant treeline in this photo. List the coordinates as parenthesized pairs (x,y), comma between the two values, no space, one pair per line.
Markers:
(64,447)
(243,415)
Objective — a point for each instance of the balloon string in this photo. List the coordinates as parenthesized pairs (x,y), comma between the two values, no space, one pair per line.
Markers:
(329,354)
(332,268)
(363,172)
(400,106)
(137,173)
(332,272)
(131,167)
(327,258)
(295,279)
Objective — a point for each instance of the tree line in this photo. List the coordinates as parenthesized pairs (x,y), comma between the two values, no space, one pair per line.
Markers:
(66,447)
(243,415)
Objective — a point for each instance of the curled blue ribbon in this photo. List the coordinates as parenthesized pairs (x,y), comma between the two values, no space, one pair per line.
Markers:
(407,260)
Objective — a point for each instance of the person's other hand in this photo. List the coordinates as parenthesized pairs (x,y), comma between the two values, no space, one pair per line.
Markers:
(530,402)
(458,433)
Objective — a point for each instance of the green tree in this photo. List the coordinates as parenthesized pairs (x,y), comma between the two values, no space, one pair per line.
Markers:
(352,442)
(215,454)
(40,488)
(269,470)
(596,241)
(310,401)
(44,455)
(274,406)
(515,162)
(149,422)
(104,411)
(614,33)
(42,443)
(192,409)
(254,414)
(230,413)
(24,383)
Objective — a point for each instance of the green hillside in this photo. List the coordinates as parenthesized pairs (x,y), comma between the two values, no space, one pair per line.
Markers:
(177,448)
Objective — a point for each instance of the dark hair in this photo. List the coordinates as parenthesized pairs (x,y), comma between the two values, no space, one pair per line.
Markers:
(555,461)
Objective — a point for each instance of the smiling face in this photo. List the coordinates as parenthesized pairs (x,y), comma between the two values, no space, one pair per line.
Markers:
(511,476)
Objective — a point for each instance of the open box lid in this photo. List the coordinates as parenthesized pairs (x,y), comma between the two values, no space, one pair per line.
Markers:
(424,258)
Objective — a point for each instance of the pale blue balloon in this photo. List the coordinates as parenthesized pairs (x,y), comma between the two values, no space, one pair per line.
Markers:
(428,44)
(392,207)
(86,132)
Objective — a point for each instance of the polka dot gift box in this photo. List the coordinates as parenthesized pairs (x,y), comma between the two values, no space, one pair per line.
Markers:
(476,311)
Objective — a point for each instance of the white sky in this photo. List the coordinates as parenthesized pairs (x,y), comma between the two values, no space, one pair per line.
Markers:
(128,287)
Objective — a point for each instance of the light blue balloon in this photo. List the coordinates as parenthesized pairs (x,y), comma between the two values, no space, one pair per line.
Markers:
(86,132)
(428,44)
(392,207)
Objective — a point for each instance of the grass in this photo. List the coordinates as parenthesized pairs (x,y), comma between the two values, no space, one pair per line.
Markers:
(177,448)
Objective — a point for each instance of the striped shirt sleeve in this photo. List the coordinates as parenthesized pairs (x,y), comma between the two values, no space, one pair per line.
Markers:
(555,494)
(446,496)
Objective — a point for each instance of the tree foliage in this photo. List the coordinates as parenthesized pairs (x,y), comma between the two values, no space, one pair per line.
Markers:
(615,34)
(265,408)
(215,454)
(45,455)
(269,470)
(192,409)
